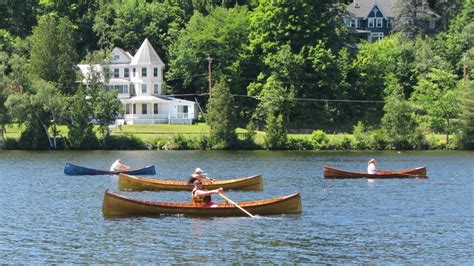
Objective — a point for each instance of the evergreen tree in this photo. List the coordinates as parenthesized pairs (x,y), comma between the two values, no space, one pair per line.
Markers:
(467,116)
(221,116)
(276,137)
(80,128)
(53,52)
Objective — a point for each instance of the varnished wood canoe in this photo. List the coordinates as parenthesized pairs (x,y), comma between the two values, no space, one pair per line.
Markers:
(72,169)
(135,183)
(115,205)
(418,172)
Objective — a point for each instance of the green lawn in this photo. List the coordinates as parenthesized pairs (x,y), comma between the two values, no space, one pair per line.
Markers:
(153,133)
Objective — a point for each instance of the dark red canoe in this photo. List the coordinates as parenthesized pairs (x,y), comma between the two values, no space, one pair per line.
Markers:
(334,173)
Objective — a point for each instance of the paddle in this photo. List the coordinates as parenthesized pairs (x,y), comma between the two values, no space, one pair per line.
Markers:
(236,205)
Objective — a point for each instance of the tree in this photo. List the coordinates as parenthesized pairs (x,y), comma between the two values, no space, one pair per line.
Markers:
(221,116)
(437,100)
(398,120)
(53,52)
(467,116)
(221,35)
(276,137)
(274,98)
(18,18)
(80,128)
(38,108)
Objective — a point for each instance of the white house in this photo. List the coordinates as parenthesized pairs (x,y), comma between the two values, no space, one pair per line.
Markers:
(139,82)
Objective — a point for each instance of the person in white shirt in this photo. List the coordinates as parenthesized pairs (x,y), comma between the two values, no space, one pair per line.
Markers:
(118,166)
(201,176)
(371,169)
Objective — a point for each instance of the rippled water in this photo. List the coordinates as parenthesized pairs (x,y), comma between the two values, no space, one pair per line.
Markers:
(47,217)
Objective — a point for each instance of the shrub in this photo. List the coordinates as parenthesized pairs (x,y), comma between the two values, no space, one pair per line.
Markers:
(124,143)
(299,144)
(319,139)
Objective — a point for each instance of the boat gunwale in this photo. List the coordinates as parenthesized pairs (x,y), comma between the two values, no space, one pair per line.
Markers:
(154,181)
(185,205)
(404,173)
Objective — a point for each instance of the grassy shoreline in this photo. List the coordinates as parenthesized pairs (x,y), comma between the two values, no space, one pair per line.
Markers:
(165,136)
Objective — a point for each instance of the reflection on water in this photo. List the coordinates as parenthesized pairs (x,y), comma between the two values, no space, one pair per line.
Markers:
(47,217)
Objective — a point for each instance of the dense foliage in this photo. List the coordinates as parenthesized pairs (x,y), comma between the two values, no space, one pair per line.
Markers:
(281,65)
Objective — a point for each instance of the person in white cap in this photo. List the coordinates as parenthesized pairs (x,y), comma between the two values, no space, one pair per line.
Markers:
(118,166)
(201,176)
(371,169)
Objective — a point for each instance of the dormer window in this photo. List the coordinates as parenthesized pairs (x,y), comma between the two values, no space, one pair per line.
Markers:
(116,57)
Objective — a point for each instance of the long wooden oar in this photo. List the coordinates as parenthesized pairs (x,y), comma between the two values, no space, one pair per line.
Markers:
(236,205)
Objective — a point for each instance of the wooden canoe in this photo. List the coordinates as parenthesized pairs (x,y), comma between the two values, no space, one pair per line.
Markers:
(115,205)
(72,169)
(135,183)
(418,172)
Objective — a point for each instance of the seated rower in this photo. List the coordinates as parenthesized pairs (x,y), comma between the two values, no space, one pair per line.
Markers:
(199,174)
(118,166)
(202,197)
(371,169)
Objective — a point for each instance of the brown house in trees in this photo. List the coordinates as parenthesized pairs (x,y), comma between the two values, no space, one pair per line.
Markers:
(372,20)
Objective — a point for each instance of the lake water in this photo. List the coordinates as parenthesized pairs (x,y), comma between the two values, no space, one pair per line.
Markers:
(48,217)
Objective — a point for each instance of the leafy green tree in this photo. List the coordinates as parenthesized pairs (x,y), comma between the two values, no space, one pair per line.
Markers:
(18,17)
(221,35)
(276,137)
(37,108)
(437,100)
(80,128)
(126,23)
(221,117)
(81,13)
(3,94)
(274,98)
(398,120)
(53,52)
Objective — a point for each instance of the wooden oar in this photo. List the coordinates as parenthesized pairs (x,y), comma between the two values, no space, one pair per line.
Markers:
(236,205)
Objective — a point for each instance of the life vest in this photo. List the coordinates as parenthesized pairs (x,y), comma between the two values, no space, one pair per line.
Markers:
(200,201)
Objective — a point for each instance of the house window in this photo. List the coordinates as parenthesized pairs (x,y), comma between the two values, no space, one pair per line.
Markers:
(116,57)
(126,72)
(132,90)
(127,109)
(182,108)
(155,108)
(379,22)
(144,88)
(143,71)
(431,24)
(122,89)
(352,22)
(116,72)
(144,109)
(155,88)
(375,36)
(390,23)
(134,72)
(134,109)
(155,72)
(371,22)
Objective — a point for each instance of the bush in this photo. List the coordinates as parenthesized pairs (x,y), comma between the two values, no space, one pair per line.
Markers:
(299,144)
(319,140)
(10,144)
(378,139)
(124,143)
(344,143)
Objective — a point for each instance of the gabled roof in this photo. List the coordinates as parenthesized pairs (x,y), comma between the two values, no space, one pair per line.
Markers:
(362,8)
(124,57)
(146,55)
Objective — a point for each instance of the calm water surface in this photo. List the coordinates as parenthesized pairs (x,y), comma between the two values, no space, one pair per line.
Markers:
(48,217)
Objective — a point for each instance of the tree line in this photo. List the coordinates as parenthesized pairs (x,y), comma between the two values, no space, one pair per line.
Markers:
(282,64)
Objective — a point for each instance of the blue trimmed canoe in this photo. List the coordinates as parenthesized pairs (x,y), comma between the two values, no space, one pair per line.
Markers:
(72,169)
